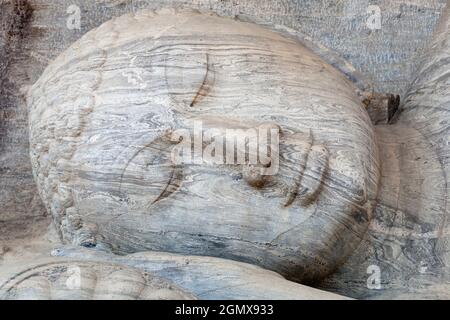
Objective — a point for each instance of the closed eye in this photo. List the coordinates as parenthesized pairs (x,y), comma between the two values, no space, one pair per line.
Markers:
(160,146)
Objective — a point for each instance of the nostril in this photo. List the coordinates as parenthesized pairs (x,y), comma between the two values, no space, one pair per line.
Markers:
(254,175)
(257,175)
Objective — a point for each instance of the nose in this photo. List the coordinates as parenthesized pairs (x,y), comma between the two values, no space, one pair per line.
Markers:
(302,166)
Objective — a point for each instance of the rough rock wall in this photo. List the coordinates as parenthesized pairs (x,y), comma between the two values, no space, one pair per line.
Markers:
(387,55)
(34,32)
(19,201)
(408,239)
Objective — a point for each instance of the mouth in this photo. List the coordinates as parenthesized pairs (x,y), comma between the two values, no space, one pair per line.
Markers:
(307,163)
(311,182)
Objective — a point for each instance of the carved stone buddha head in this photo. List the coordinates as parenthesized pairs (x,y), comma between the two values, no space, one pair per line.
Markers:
(107,115)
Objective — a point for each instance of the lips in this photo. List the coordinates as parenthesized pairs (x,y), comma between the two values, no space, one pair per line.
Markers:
(303,168)
(314,175)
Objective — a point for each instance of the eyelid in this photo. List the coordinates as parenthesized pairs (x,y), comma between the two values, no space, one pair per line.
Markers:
(173,184)
(161,144)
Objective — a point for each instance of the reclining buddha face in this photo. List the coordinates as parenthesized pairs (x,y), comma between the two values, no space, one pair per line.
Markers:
(106,116)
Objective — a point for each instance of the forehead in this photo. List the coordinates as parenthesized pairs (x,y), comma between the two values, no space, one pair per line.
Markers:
(237,78)
(168,53)
(230,69)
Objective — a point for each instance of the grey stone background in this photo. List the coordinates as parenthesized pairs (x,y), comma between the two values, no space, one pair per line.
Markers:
(34,32)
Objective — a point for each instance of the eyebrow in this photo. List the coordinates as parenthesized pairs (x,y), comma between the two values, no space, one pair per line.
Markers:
(205,87)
